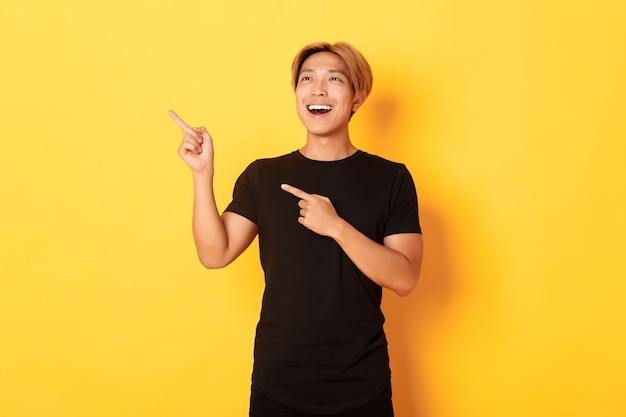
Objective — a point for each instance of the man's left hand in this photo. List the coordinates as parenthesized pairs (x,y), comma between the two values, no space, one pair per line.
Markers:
(317,212)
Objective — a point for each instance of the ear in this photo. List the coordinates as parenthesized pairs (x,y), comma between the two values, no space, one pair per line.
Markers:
(358,100)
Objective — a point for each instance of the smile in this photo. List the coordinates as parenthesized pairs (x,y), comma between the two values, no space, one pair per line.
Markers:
(319,108)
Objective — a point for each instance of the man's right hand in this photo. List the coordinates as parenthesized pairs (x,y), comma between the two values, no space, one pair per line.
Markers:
(196,149)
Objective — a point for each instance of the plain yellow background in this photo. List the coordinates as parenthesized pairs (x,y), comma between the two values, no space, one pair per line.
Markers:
(511,115)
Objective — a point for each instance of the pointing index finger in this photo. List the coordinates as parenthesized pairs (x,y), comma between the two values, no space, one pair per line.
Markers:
(184,126)
(295,191)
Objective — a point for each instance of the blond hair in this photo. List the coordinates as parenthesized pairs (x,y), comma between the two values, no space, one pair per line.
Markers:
(360,71)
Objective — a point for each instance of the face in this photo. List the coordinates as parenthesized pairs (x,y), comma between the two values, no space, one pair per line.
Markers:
(324,96)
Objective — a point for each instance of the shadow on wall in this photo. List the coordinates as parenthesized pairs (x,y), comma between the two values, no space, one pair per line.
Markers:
(394,123)
(411,320)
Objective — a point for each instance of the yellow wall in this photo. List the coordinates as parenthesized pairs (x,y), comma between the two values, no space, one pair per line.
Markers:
(511,116)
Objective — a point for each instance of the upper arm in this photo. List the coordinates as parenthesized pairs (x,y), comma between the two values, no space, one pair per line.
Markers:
(240,232)
(411,245)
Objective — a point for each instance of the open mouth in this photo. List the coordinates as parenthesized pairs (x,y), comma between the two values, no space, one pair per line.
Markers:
(319,108)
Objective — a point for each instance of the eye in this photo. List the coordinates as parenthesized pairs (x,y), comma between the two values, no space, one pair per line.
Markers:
(335,79)
(305,78)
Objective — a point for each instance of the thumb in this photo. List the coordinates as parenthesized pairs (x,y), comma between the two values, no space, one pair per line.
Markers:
(204,134)
(206,141)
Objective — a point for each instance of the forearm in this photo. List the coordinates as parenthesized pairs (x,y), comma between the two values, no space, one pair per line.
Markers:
(384,265)
(209,232)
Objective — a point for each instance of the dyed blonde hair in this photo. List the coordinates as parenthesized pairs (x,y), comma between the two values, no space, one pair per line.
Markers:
(360,71)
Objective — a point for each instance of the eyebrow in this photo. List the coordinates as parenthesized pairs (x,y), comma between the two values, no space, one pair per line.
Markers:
(330,71)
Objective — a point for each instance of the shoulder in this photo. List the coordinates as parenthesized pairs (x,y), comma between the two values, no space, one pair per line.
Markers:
(377,159)
(262,164)
(379,164)
(260,170)
(277,159)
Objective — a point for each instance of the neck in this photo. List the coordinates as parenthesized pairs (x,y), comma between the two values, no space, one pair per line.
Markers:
(327,148)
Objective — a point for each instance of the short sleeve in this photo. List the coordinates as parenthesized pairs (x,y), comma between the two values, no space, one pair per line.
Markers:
(403,212)
(244,197)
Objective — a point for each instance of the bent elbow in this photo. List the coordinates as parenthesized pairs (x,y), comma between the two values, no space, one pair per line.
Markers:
(211,262)
(404,291)
(210,265)
(407,287)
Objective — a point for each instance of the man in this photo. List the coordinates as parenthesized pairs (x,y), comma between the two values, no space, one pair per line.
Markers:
(335,226)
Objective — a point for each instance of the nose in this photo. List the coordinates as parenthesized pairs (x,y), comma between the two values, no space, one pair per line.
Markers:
(319,88)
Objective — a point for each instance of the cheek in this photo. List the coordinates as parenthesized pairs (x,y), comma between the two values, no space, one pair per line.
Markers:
(300,105)
(301,91)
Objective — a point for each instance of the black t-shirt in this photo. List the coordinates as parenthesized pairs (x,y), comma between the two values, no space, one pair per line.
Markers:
(320,345)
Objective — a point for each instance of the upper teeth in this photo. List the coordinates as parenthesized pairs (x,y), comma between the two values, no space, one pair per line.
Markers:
(319,107)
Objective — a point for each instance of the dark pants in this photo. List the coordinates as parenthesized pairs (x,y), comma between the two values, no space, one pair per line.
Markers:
(380,406)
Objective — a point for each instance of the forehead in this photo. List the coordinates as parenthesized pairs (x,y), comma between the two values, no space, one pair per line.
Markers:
(325,61)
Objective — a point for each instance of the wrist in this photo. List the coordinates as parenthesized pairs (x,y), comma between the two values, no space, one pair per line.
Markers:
(339,231)
(202,176)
